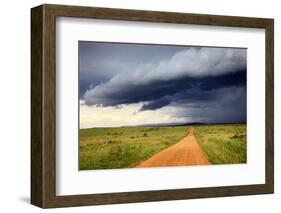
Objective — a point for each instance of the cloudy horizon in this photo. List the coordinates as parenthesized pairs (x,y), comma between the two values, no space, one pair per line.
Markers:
(123,84)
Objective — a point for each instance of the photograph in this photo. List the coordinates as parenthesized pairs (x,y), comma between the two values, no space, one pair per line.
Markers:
(140,105)
(150,105)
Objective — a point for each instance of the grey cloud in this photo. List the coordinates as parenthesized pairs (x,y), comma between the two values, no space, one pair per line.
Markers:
(224,105)
(185,65)
(156,104)
(202,83)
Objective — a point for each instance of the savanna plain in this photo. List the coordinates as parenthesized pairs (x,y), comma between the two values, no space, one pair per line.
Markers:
(127,147)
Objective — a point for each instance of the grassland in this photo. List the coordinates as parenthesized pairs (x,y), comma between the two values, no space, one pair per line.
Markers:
(112,148)
(126,147)
(223,144)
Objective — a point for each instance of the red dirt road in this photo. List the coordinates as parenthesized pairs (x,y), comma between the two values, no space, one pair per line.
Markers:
(187,152)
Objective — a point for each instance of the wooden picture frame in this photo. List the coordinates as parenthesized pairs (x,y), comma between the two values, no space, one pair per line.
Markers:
(43,105)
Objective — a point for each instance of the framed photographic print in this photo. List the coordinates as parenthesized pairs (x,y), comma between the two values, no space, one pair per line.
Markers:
(136,106)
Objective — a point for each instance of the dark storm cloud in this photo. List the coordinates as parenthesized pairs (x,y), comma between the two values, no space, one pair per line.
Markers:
(209,82)
(161,93)
(156,104)
(157,79)
(222,106)
(89,79)
(192,90)
(100,61)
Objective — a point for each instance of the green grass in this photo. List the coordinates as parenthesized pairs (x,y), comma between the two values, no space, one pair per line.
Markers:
(126,147)
(223,144)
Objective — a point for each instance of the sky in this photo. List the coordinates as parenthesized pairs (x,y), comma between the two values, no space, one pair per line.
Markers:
(123,84)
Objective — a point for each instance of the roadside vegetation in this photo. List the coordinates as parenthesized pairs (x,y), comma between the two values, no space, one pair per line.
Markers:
(223,144)
(126,147)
